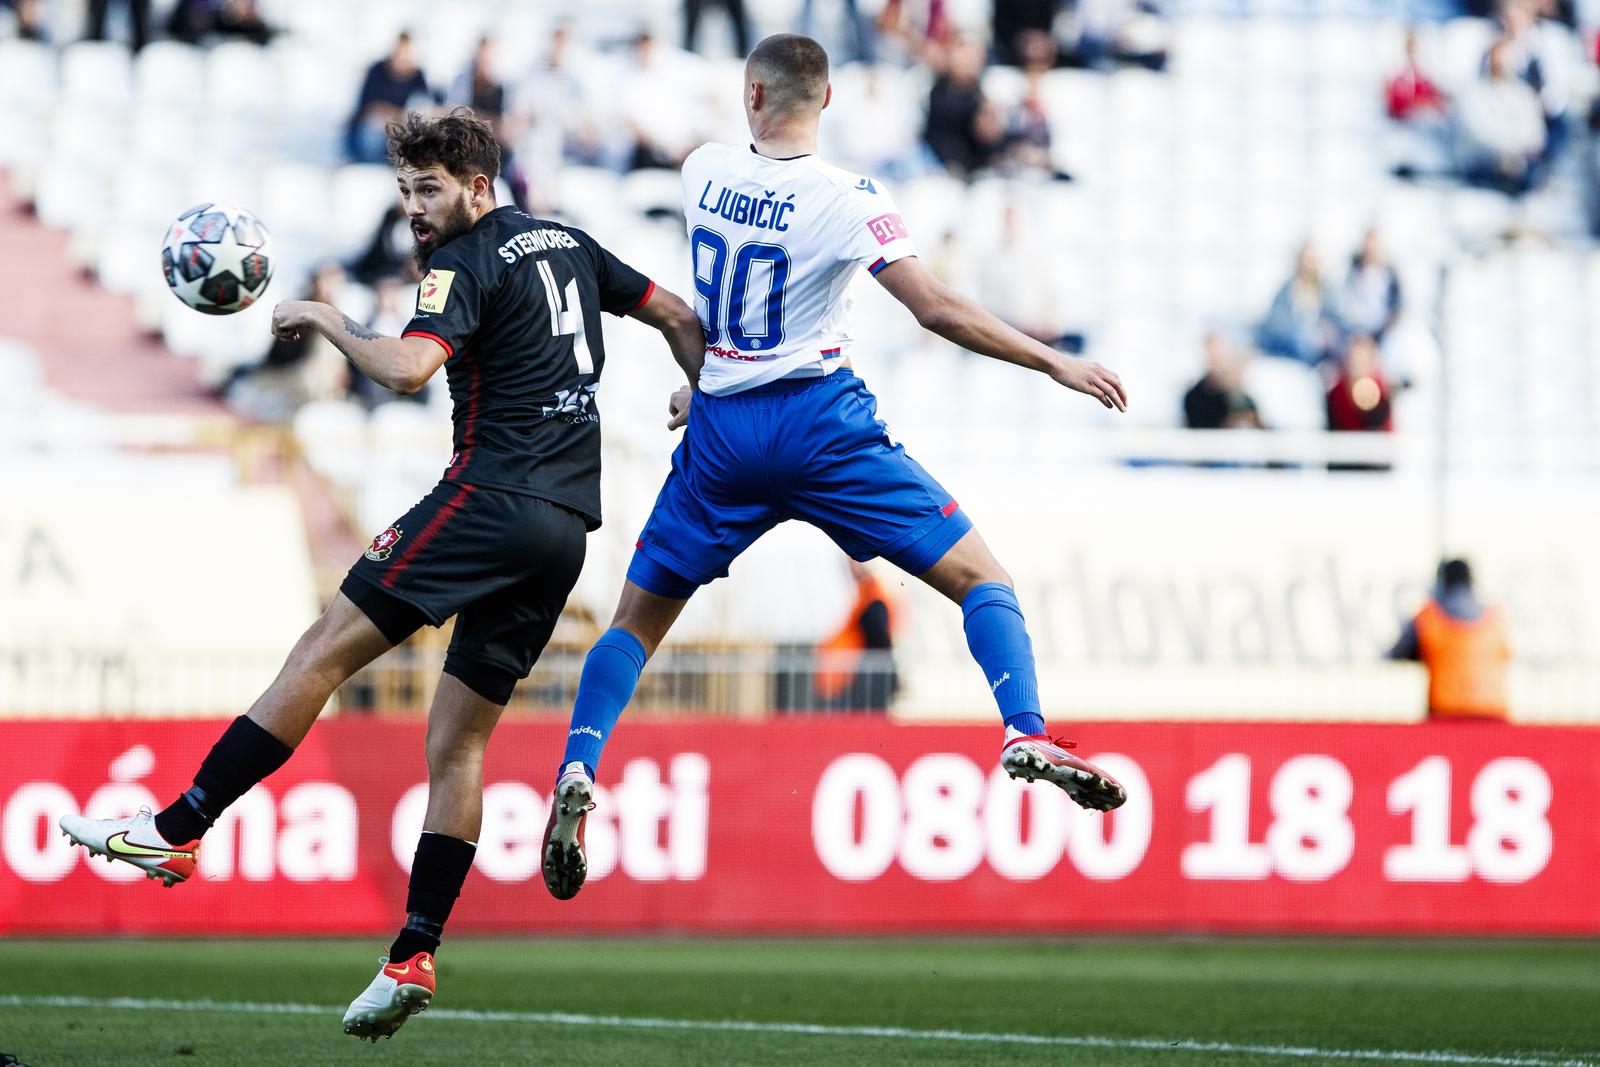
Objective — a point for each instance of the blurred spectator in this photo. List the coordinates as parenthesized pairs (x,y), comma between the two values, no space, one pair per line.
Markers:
(1016,22)
(863,35)
(1418,108)
(1500,127)
(963,129)
(1025,131)
(196,21)
(916,32)
(1300,323)
(550,120)
(1411,93)
(1360,398)
(293,373)
(953,264)
(855,667)
(693,9)
(138,20)
(879,137)
(392,85)
(28,21)
(1015,282)
(388,255)
(396,300)
(478,88)
(1218,400)
(1463,645)
(659,118)
(1106,33)
(1537,48)
(1369,301)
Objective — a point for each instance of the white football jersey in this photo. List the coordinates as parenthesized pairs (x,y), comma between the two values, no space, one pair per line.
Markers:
(775,244)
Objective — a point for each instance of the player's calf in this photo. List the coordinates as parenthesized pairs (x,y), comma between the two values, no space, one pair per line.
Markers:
(564,862)
(1038,757)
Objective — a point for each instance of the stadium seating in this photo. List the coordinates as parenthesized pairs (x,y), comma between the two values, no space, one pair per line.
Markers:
(1193,188)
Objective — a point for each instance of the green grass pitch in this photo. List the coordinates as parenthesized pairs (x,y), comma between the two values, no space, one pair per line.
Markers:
(877,1002)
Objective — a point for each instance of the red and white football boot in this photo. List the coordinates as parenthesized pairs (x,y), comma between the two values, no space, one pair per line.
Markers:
(1039,757)
(134,840)
(398,992)
(565,866)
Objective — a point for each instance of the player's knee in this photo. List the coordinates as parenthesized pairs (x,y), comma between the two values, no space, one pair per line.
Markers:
(318,655)
(451,750)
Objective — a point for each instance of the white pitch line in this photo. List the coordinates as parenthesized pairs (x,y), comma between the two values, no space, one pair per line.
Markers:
(893,1033)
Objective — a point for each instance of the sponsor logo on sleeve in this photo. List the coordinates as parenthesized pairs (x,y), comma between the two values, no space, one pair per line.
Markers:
(887,228)
(435,291)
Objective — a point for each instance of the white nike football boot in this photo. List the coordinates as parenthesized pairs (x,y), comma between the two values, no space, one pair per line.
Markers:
(136,841)
(398,992)
(564,863)
(1039,757)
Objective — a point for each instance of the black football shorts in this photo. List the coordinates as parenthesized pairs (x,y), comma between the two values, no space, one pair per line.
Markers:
(502,562)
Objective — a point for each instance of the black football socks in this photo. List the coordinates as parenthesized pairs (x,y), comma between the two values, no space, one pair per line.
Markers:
(437,875)
(242,756)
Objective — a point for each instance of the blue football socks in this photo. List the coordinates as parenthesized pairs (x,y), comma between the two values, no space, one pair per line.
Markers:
(610,674)
(997,635)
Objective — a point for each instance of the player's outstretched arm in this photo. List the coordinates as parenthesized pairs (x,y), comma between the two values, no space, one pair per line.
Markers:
(401,364)
(941,310)
(679,324)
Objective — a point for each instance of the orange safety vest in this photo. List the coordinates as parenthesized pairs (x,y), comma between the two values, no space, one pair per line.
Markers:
(839,657)
(1466,663)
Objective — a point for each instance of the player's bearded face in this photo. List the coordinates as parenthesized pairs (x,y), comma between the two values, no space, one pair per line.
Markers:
(439,227)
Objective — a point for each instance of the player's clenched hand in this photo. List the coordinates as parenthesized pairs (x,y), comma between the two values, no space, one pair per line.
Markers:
(1093,380)
(289,317)
(678,407)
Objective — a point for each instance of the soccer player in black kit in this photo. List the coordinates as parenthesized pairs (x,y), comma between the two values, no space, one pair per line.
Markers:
(510,307)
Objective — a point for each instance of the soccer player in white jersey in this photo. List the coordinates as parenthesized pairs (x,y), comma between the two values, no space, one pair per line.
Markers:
(781,428)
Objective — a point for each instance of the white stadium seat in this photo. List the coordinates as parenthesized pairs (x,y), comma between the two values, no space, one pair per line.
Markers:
(361,195)
(296,204)
(97,72)
(1288,394)
(170,74)
(30,74)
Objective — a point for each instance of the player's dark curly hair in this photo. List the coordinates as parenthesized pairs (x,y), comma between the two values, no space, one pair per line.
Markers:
(460,142)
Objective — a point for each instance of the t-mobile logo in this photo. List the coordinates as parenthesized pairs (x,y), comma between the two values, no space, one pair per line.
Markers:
(998,682)
(886,228)
(590,730)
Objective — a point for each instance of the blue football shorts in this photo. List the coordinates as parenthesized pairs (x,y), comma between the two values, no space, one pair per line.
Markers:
(811,449)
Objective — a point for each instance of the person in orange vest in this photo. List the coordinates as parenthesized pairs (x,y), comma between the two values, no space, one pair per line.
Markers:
(1463,644)
(855,667)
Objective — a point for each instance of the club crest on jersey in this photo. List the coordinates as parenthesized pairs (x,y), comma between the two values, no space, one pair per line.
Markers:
(384,544)
(435,291)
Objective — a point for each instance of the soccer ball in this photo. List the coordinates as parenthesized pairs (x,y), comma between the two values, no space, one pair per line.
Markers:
(217,258)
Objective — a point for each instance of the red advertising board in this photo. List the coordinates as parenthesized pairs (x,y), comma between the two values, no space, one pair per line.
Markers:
(846,825)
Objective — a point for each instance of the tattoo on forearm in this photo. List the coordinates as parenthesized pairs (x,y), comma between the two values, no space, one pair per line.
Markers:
(355,329)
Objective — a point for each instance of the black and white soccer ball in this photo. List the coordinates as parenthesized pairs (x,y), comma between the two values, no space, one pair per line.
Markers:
(217,258)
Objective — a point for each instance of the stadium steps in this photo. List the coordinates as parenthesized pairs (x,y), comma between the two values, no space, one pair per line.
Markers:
(90,345)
